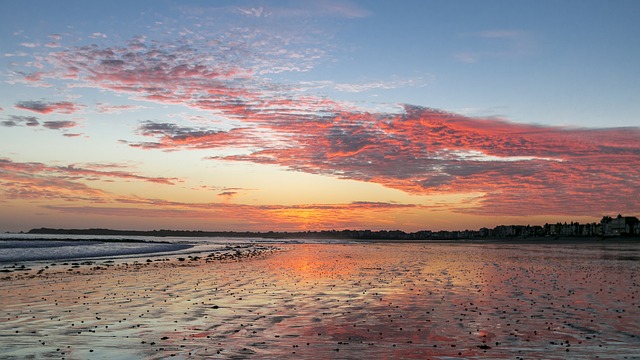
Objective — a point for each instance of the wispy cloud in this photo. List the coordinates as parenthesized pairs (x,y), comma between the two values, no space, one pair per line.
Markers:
(71,175)
(98,35)
(364,86)
(16,120)
(16,54)
(307,9)
(38,182)
(496,44)
(45,184)
(115,109)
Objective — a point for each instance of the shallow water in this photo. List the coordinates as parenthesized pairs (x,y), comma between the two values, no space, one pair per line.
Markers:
(318,301)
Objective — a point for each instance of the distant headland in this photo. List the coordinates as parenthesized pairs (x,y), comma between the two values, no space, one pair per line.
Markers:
(620,226)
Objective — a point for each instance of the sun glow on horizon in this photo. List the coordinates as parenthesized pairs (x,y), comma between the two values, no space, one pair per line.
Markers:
(292,118)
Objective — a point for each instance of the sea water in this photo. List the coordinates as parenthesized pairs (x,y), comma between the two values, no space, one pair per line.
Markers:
(17,248)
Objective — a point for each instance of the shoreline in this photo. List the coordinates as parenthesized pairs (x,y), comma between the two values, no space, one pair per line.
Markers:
(107,240)
(26,269)
(107,235)
(14,251)
(516,240)
(182,248)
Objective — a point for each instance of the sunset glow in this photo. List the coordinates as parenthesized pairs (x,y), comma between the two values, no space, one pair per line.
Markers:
(318,115)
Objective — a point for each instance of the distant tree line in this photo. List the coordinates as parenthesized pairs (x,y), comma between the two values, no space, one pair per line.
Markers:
(608,226)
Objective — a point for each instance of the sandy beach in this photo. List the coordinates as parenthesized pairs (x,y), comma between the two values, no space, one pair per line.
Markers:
(327,301)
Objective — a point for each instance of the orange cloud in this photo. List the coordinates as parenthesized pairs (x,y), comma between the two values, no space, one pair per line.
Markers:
(282,217)
(48,185)
(64,176)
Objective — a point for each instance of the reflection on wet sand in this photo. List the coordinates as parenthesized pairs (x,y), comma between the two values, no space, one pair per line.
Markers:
(336,301)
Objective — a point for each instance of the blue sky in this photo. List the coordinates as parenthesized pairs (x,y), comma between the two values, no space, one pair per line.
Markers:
(551,62)
(210,100)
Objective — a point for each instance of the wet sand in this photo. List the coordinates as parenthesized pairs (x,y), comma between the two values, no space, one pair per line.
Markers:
(319,301)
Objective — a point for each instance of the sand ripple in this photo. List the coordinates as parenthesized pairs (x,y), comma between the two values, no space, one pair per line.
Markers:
(333,301)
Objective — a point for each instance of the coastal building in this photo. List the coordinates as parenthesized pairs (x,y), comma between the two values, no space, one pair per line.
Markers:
(621,225)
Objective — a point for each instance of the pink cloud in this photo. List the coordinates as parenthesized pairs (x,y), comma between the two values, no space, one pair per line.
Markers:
(519,169)
(57,125)
(43,107)
(516,169)
(34,77)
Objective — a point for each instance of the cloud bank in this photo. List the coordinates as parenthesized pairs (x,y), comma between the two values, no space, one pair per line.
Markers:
(517,169)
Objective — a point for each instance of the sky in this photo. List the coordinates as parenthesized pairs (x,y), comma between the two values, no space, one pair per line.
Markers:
(317,115)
